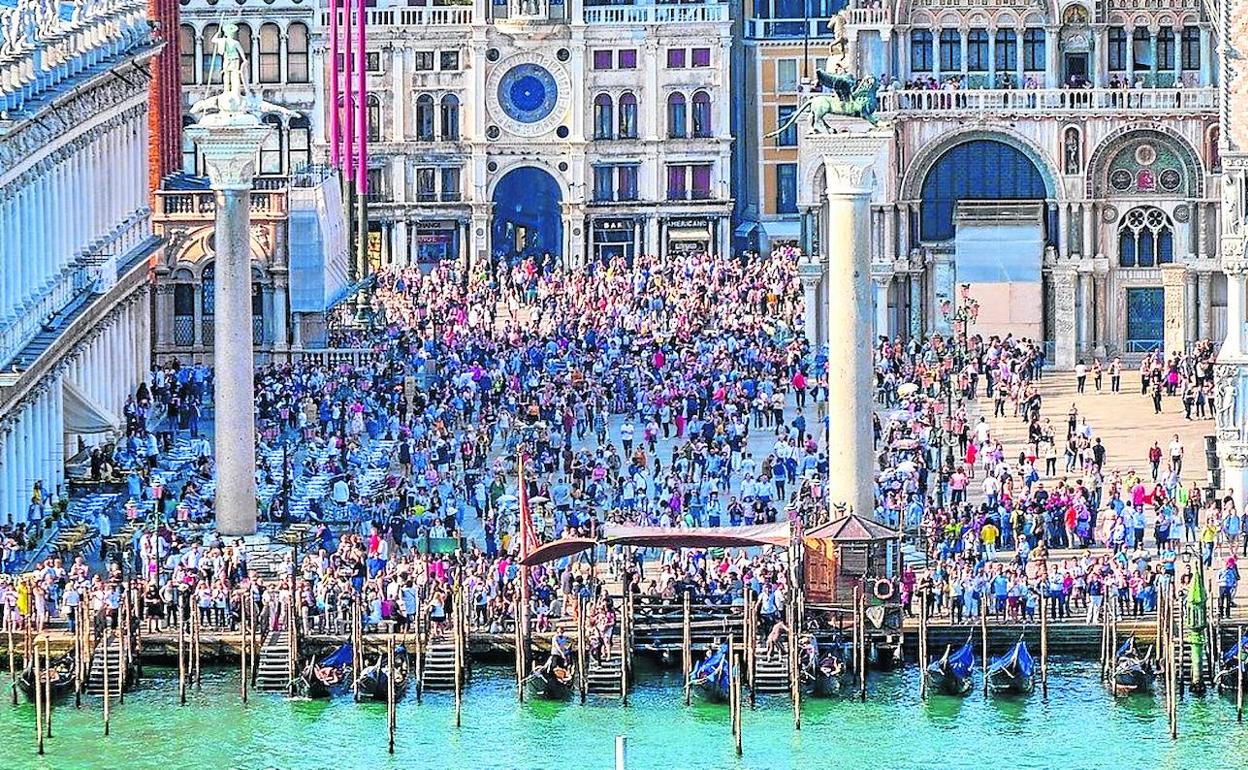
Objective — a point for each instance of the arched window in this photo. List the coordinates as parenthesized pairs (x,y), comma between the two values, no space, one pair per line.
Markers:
(271,150)
(604,117)
(977,50)
(920,50)
(244,42)
(183,314)
(374,118)
(300,143)
(210,62)
(1006,51)
(1142,50)
(702,115)
(1145,238)
(257,314)
(628,116)
(424,118)
(297,53)
(950,50)
(270,54)
(676,109)
(450,118)
(186,53)
(1165,48)
(189,158)
(207,303)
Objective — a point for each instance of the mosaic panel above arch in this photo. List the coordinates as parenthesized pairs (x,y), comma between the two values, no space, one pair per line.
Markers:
(1146,163)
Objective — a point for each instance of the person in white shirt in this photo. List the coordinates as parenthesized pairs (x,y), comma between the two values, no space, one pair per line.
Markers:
(1176,455)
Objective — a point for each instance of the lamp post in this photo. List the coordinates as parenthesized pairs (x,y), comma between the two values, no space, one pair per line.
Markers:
(960,314)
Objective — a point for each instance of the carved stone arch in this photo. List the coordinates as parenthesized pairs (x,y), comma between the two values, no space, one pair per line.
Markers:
(977,19)
(912,183)
(922,20)
(1096,184)
(1005,19)
(1118,19)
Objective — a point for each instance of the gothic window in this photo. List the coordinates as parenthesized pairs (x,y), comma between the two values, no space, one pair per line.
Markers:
(183,314)
(1191,48)
(1142,49)
(271,149)
(676,111)
(210,62)
(1145,238)
(207,303)
(1007,50)
(950,50)
(628,116)
(300,143)
(257,315)
(604,117)
(297,53)
(374,118)
(270,54)
(1033,49)
(186,53)
(702,115)
(244,41)
(450,118)
(424,118)
(921,50)
(1165,48)
(1117,49)
(977,50)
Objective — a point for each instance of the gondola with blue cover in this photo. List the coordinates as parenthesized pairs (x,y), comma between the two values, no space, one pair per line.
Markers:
(321,678)
(712,677)
(1133,673)
(1228,678)
(1013,672)
(951,673)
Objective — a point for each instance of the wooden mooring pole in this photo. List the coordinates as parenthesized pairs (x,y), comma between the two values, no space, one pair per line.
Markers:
(1239,676)
(104,643)
(391,715)
(12,667)
(626,646)
(983,637)
(923,644)
(582,659)
(34,666)
(242,651)
(1044,646)
(686,647)
(795,682)
(181,662)
(80,652)
(420,650)
(461,625)
(520,672)
(862,644)
(46,684)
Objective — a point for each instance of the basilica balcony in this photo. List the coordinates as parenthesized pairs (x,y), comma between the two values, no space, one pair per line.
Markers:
(1042,101)
(201,205)
(655,13)
(407,18)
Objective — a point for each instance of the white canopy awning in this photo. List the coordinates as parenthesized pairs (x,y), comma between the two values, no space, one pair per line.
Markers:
(83,415)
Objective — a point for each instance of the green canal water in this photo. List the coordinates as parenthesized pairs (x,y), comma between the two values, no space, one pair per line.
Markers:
(1079,727)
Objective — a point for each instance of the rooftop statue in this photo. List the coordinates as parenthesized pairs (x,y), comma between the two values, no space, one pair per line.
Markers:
(236,104)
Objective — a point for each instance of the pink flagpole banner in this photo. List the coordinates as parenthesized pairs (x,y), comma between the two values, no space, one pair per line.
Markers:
(361,107)
(348,128)
(335,86)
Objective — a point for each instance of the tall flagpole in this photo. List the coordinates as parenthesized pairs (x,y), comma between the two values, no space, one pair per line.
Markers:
(361,131)
(335,87)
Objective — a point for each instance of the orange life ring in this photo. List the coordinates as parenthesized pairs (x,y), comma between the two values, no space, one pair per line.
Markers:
(883,589)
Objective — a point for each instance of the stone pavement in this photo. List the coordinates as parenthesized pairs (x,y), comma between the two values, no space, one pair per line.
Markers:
(1124,421)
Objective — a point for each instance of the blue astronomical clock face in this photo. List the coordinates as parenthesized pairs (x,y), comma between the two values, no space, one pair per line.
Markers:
(528,93)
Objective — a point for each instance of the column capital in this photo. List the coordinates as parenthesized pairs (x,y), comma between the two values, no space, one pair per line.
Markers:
(230,152)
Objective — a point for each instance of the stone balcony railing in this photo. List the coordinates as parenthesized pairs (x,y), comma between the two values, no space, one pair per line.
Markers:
(426,16)
(1051,100)
(202,204)
(648,13)
(68,49)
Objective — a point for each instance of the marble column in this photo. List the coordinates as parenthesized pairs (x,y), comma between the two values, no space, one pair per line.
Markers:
(1084,336)
(1064,278)
(810,271)
(229,145)
(1174,284)
(850,391)
(1204,283)
(1189,308)
(1100,319)
(881,283)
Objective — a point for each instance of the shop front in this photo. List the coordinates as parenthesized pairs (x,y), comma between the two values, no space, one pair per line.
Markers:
(689,235)
(614,239)
(434,242)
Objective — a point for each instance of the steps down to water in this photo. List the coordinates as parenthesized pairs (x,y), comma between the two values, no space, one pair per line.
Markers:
(273,671)
(439,665)
(604,675)
(771,674)
(107,658)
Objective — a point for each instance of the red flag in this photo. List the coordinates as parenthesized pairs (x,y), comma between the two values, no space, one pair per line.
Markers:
(528,537)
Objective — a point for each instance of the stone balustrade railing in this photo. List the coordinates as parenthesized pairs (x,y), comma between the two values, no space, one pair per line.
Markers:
(426,16)
(202,204)
(35,67)
(647,13)
(1056,100)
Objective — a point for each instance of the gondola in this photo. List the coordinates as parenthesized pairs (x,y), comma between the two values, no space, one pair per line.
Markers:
(1228,678)
(321,678)
(711,678)
(372,680)
(61,674)
(823,671)
(1133,673)
(950,674)
(554,680)
(1013,672)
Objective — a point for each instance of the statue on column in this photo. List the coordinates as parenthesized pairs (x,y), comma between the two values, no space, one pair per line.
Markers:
(236,100)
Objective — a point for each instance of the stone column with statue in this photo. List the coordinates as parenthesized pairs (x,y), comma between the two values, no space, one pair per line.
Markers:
(229,133)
